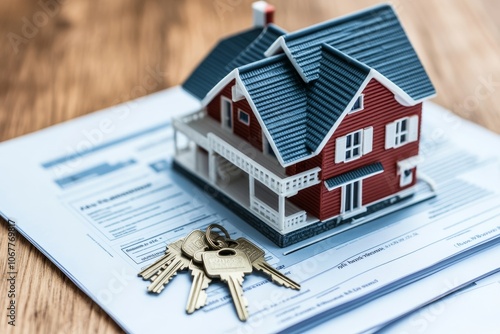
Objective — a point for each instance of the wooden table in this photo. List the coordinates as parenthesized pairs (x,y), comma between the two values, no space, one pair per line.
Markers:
(69,59)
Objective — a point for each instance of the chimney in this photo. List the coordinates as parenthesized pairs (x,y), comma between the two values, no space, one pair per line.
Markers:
(263,13)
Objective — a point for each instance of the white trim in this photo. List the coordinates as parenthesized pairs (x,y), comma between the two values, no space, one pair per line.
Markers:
(292,59)
(356,212)
(340,145)
(342,116)
(390,135)
(402,194)
(223,110)
(353,180)
(217,88)
(279,43)
(360,208)
(359,146)
(240,111)
(275,47)
(398,135)
(361,97)
(406,180)
(265,147)
(236,94)
(367,140)
(409,163)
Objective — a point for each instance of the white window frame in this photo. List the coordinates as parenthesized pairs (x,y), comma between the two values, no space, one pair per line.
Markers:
(240,112)
(358,146)
(223,112)
(399,134)
(365,145)
(359,208)
(394,132)
(361,99)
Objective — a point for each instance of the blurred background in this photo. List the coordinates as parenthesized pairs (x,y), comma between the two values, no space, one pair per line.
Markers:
(64,58)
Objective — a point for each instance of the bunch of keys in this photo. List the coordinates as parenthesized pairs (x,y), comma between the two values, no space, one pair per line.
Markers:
(209,255)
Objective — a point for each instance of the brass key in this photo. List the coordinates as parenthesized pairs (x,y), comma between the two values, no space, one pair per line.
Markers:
(180,262)
(196,242)
(153,269)
(256,256)
(230,265)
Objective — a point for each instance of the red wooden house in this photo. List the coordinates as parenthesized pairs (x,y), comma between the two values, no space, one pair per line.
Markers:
(301,131)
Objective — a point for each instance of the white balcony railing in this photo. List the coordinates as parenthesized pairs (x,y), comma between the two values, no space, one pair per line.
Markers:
(272,217)
(265,211)
(181,124)
(282,186)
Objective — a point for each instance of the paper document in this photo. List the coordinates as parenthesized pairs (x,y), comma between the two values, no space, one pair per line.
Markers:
(97,194)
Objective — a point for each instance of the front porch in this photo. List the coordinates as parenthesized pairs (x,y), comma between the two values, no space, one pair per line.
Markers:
(254,180)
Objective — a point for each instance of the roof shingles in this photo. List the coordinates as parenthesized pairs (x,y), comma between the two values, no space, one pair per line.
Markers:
(375,38)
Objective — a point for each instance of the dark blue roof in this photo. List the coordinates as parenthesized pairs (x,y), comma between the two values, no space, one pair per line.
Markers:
(280,97)
(339,78)
(374,37)
(213,68)
(358,173)
(255,51)
(292,110)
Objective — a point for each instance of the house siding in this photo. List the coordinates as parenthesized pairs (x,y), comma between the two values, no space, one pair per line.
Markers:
(251,132)
(380,108)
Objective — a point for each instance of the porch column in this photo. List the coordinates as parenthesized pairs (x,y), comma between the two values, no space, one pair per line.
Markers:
(251,186)
(281,212)
(211,167)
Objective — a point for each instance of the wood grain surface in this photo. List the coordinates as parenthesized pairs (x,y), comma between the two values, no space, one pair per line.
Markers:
(72,57)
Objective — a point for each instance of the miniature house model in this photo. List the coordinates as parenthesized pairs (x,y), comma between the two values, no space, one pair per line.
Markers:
(302,131)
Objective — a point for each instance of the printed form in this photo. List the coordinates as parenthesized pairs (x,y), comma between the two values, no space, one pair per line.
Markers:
(98,195)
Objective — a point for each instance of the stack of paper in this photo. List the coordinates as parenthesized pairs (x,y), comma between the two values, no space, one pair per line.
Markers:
(110,203)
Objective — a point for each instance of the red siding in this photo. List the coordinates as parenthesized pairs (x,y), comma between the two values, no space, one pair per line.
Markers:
(380,108)
(252,132)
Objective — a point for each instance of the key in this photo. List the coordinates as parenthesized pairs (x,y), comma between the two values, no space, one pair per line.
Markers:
(152,270)
(180,262)
(192,243)
(196,243)
(256,256)
(197,295)
(230,265)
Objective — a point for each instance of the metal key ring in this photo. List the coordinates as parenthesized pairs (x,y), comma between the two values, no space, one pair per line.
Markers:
(209,231)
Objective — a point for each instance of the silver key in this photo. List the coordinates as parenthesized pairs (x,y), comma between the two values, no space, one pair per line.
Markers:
(256,256)
(152,270)
(230,265)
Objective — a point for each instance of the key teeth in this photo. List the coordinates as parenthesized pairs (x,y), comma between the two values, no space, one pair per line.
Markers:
(277,278)
(158,289)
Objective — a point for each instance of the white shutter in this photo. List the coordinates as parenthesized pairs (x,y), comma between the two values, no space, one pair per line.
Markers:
(390,135)
(367,140)
(340,149)
(413,129)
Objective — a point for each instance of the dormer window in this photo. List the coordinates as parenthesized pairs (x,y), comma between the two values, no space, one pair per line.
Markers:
(358,105)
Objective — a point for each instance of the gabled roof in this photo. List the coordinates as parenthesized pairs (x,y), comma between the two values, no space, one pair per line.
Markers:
(301,95)
(339,79)
(279,96)
(240,49)
(374,37)
(255,51)
(293,111)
